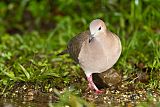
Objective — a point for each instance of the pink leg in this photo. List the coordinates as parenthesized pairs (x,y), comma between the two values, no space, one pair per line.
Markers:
(92,85)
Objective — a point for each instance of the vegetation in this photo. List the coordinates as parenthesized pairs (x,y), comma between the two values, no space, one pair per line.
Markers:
(32,32)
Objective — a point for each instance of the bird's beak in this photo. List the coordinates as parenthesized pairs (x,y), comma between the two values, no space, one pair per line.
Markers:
(91,37)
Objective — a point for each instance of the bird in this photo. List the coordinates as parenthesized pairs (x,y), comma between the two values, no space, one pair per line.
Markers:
(95,50)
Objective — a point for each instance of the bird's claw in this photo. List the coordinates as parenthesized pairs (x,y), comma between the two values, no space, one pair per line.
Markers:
(99,91)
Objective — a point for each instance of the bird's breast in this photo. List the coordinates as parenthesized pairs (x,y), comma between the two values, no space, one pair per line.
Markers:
(97,57)
(93,58)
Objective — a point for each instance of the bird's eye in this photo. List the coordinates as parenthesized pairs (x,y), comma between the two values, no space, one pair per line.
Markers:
(99,28)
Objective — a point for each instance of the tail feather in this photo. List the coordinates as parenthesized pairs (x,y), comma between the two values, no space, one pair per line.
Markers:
(63,52)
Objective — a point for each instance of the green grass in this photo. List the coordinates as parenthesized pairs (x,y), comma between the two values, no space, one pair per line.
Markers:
(31,37)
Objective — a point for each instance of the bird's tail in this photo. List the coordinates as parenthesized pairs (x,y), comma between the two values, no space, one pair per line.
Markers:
(63,52)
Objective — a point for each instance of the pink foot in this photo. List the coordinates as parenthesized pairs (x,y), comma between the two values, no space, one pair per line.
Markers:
(99,91)
(92,86)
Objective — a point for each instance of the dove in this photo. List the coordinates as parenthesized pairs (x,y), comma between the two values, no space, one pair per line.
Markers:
(95,50)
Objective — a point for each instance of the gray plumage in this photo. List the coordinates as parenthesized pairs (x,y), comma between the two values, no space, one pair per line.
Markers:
(95,50)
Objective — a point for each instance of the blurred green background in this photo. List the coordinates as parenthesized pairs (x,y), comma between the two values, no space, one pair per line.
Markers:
(123,17)
(32,32)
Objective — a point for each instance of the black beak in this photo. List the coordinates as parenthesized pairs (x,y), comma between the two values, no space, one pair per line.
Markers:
(91,38)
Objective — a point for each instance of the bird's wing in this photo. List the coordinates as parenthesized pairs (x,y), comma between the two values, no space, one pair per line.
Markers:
(75,44)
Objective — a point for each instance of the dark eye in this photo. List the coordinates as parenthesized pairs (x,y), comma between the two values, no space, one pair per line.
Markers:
(99,28)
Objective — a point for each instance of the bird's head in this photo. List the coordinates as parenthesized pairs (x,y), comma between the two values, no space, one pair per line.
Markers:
(96,27)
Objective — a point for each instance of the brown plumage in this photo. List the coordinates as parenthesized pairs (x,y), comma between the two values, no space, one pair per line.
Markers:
(75,44)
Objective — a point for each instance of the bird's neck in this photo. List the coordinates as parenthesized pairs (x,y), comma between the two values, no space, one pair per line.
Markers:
(101,38)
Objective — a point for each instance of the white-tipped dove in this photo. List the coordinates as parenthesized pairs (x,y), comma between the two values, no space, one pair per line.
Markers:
(95,50)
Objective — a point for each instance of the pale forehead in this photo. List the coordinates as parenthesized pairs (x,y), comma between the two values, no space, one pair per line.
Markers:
(96,22)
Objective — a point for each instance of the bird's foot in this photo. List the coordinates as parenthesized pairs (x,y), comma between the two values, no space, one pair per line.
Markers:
(93,87)
(99,91)
(91,90)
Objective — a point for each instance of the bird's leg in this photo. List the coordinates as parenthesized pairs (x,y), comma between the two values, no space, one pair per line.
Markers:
(92,85)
